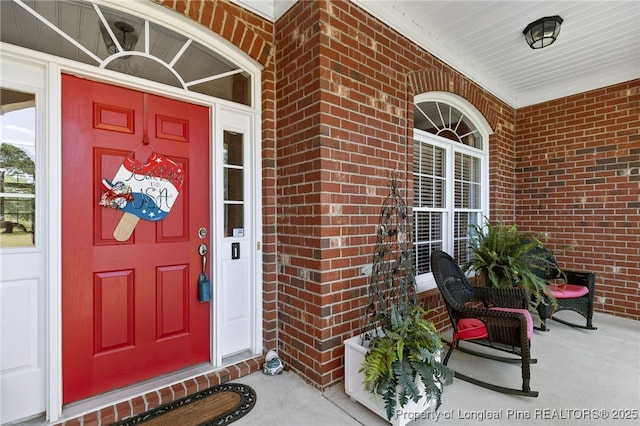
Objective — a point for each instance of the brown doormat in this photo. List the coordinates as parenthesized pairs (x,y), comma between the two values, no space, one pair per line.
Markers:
(216,406)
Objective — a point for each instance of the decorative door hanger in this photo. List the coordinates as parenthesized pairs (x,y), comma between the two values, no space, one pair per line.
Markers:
(142,191)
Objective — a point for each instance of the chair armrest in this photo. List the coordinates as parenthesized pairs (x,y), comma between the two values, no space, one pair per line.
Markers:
(515,297)
(585,279)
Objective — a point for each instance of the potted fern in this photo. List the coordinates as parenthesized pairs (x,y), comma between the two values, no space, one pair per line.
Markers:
(404,363)
(505,257)
(394,365)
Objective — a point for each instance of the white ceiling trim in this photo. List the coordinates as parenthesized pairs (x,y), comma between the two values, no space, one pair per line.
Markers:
(271,10)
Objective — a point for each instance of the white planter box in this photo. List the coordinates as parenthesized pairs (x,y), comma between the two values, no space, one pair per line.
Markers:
(354,354)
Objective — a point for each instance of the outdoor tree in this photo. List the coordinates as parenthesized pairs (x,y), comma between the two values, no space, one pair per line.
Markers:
(17,173)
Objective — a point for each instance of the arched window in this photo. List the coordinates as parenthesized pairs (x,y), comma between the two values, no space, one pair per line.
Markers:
(111,39)
(450,177)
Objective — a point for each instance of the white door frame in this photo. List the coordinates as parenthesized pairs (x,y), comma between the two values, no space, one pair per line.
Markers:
(52,158)
(23,270)
(236,121)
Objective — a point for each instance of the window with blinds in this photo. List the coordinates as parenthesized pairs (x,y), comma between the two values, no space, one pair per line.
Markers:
(450,194)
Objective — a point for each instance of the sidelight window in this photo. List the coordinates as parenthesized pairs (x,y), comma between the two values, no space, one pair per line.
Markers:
(17,169)
(233,170)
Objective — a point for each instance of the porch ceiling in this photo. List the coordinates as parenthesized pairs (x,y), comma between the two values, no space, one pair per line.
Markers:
(597,45)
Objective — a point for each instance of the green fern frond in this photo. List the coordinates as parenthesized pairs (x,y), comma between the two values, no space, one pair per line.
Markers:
(502,258)
(395,360)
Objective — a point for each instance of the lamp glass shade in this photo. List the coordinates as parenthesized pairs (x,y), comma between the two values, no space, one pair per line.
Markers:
(542,32)
(124,34)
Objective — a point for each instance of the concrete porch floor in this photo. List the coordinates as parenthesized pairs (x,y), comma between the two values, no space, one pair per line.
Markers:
(584,377)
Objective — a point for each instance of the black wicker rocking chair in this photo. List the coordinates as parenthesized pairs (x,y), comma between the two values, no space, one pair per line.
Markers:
(493,317)
(574,292)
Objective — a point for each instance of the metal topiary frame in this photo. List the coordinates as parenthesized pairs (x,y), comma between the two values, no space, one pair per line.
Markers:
(392,281)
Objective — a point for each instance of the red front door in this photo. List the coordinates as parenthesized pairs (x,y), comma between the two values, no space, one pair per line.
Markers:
(130,309)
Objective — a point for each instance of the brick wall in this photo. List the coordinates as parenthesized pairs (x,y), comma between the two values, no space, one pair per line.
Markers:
(345,85)
(578,180)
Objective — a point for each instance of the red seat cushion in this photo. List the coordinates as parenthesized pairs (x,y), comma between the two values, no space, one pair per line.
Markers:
(473,328)
(569,291)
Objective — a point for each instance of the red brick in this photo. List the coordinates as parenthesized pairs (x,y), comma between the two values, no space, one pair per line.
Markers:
(107,415)
(123,410)
(179,390)
(166,396)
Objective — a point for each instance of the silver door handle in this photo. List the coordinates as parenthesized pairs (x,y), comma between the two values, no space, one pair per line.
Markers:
(202,251)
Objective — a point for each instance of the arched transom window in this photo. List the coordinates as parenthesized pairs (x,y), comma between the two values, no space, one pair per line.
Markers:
(111,39)
(450,178)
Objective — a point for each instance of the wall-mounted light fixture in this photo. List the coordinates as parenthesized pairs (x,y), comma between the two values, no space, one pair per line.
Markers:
(124,35)
(542,32)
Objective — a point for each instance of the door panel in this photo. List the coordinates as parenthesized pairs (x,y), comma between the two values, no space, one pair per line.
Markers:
(23,280)
(236,306)
(130,309)
(172,302)
(113,307)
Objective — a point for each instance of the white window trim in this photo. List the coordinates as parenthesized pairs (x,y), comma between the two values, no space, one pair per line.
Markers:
(426,281)
(465,107)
